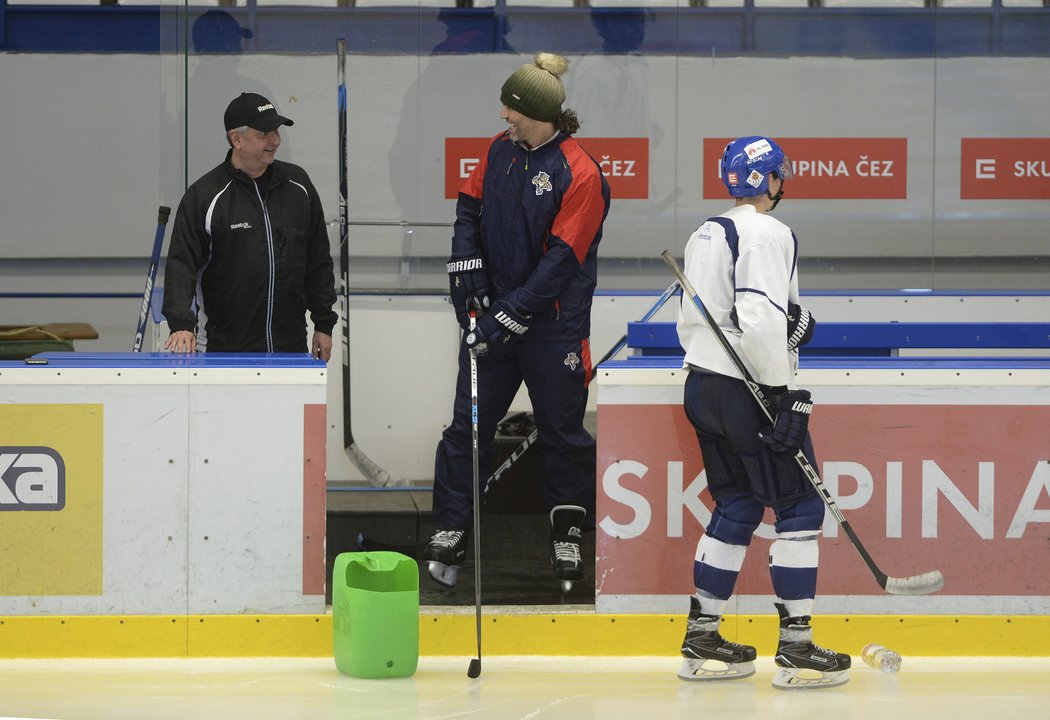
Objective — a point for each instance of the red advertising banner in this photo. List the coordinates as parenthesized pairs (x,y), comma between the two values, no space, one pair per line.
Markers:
(1004,169)
(963,489)
(462,155)
(828,168)
(624,163)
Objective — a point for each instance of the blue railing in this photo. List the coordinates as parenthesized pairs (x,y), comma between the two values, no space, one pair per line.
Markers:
(746,30)
(872,339)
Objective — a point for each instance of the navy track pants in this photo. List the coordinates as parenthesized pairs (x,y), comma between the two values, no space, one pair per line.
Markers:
(556,374)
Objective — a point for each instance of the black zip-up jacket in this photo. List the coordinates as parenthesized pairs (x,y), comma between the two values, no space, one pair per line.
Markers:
(254,261)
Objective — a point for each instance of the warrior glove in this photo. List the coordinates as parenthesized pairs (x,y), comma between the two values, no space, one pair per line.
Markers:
(800,326)
(468,286)
(788,433)
(496,329)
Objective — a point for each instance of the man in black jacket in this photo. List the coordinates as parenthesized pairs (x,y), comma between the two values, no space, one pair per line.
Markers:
(249,245)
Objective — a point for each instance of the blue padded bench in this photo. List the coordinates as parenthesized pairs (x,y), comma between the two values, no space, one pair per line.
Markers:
(871,339)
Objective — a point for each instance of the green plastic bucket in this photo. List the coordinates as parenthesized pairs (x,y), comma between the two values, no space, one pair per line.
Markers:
(375,614)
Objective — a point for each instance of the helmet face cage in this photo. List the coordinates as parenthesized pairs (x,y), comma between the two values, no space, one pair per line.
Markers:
(748,161)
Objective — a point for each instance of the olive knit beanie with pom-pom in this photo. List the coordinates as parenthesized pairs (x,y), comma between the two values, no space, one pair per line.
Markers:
(535,89)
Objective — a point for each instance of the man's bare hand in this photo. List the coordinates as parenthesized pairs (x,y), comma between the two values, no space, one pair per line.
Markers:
(181,341)
(321,346)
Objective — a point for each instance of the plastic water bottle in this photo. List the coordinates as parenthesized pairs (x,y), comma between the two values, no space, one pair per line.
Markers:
(881,658)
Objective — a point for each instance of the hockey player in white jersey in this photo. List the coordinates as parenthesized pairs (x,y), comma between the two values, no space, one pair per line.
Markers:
(743,264)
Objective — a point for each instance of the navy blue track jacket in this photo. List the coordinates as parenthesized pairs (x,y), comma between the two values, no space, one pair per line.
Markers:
(536,216)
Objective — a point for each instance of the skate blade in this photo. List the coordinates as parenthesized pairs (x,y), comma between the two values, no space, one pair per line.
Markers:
(567,576)
(799,679)
(704,670)
(443,574)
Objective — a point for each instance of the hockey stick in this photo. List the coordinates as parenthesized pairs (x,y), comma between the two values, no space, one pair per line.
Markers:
(923,584)
(151,276)
(372,472)
(474,669)
(620,345)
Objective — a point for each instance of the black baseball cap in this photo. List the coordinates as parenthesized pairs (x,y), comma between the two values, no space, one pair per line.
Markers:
(255,111)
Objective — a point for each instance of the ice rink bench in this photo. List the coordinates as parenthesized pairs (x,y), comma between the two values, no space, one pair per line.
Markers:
(877,339)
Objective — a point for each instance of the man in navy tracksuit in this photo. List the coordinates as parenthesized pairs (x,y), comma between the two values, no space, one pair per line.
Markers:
(524,262)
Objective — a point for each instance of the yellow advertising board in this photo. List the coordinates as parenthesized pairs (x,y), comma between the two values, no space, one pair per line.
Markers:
(51,463)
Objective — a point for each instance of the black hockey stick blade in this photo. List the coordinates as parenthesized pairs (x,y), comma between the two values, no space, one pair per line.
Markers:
(474,669)
(923,584)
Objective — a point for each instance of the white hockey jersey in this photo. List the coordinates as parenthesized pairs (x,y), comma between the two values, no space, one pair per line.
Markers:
(743,265)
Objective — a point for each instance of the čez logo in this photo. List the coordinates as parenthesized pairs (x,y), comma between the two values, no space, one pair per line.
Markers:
(32,478)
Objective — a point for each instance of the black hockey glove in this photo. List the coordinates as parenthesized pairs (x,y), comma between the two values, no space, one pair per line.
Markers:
(789,429)
(496,329)
(800,326)
(468,286)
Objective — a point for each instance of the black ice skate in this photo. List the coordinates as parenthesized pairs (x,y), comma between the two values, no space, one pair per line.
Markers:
(444,554)
(709,656)
(800,663)
(566,531)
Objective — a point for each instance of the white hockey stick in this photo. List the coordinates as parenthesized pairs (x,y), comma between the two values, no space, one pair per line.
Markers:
(372,472)
(923,584)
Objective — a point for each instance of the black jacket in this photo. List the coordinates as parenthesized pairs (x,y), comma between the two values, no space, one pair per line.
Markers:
(255,262)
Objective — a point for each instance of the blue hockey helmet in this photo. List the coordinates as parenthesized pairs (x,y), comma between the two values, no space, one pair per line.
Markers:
(747,162)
